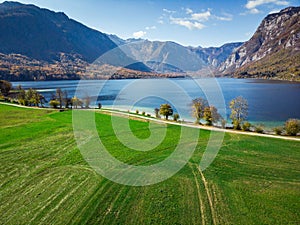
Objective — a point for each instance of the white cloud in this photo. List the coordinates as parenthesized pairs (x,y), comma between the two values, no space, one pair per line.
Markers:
(225,17)
(253,4)
(187,23)
(139,34)
(201,16)
(150,28)
(191,19)
(254,11)
(169,11)
(188,11)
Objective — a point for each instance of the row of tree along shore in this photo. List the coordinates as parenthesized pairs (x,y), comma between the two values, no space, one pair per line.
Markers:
(208,115)
(203,113)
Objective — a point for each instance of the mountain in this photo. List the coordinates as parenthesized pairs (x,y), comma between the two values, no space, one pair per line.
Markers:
(42,34)
(172,57)
(47,36)
(214,56)
(272,52)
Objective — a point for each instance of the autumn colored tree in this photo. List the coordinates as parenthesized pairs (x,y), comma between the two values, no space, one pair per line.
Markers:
(166,110)
(198,106)
(5,87)
(211,115)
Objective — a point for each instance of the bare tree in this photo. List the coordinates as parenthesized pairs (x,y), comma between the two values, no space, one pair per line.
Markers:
(239,111)
(59,97)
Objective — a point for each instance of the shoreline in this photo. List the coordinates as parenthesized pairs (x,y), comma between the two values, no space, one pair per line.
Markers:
(275,80)
(162,121)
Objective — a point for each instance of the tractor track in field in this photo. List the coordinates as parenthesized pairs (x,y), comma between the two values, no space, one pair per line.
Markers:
(49,200)
(212,210)
(111,205)
(67,195)
(201,205)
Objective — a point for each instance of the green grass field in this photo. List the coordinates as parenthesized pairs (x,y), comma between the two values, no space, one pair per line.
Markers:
(44,179)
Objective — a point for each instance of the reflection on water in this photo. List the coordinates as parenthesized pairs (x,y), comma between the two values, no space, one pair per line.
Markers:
(269,101)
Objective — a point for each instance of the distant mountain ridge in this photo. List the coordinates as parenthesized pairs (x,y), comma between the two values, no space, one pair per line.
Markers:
(272,52)
(172,57)
(39,44)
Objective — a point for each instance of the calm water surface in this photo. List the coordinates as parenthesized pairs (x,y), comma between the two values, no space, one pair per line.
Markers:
(270,102)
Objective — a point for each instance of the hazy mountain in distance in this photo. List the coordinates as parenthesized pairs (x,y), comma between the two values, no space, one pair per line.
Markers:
(272,52)
(170,56)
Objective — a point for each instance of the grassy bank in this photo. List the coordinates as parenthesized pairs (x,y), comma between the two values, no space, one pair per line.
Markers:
(44,179)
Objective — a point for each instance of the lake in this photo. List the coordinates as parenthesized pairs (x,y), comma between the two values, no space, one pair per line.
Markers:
(270,102)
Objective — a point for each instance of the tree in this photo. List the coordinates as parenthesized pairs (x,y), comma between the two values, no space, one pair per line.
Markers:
(99,105)
(176,117)
(292,127)
(30,97)
(22,97)
(36,98)
(76,102)
(198,106)
(5,87)
(239,111)
(67,101)
(156,111)
(87,101)
(59,97)
(166,110)
(211,115)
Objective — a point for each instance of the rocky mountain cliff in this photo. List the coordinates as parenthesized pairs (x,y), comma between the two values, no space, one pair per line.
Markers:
(214,56)
(272,52)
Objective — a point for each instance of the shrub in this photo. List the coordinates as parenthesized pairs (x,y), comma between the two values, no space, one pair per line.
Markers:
(292,127)
(259,129)
(156,111)
(54,103)
(143,113)
(278,130)
(236,125)
(176,117)
(137,111)
(148,115)
(246,126)
(223,123)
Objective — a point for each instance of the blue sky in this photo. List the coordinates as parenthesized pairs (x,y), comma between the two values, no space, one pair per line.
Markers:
(189,22)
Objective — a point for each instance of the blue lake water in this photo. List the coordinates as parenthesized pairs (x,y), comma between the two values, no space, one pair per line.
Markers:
(270,102)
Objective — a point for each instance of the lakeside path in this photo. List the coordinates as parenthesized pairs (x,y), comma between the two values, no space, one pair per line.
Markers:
(191,125)
(186,124)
